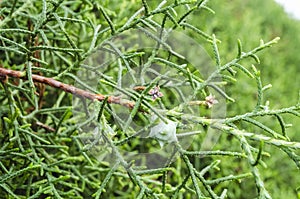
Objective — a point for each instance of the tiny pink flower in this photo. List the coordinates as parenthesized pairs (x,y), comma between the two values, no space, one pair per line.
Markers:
(210,101)
(154,92)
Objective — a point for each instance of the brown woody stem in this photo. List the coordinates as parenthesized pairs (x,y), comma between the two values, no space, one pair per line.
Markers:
(66,87)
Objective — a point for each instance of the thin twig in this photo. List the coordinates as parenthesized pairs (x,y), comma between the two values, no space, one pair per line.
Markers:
(67,88)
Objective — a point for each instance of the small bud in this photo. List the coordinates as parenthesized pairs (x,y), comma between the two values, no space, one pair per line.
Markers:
(211,100)
(139,88)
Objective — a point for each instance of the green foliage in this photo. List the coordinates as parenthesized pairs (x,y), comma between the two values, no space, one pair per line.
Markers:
(47,151)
